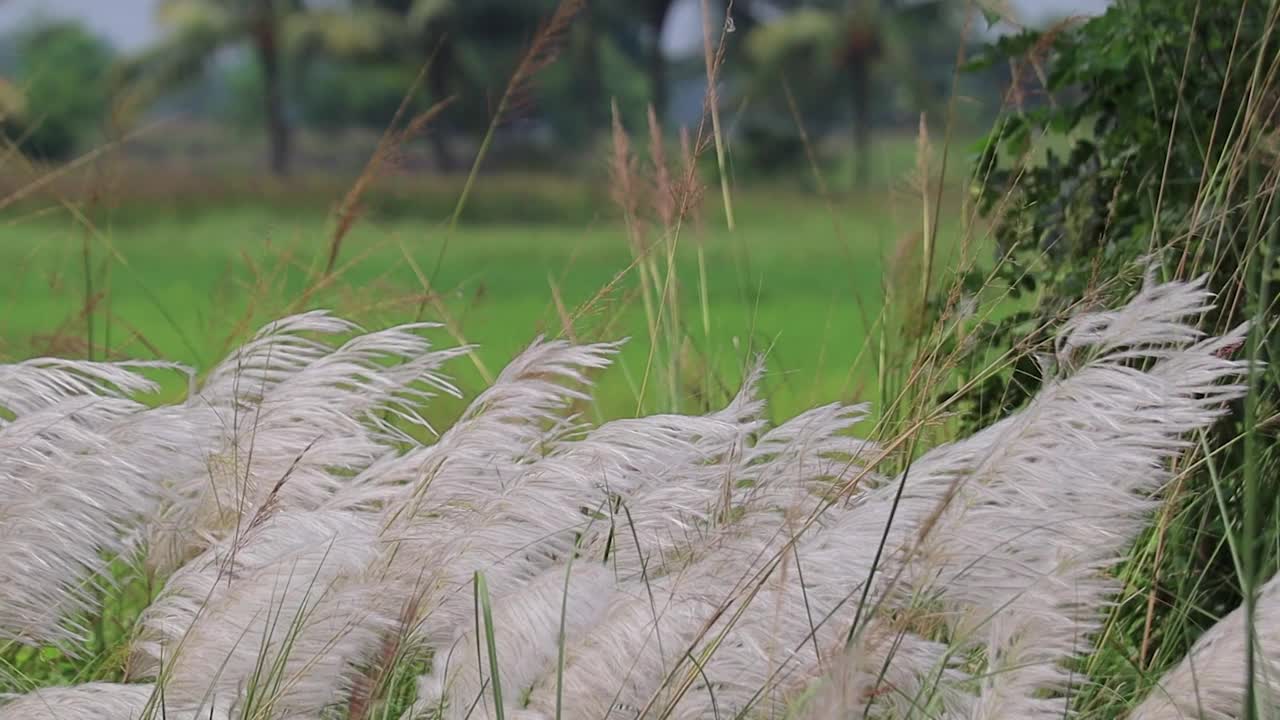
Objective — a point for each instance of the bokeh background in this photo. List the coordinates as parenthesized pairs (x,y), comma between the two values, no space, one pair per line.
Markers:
(177,172)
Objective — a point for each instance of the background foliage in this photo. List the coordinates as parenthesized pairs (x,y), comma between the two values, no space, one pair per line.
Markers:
(1143,135)
(63,71)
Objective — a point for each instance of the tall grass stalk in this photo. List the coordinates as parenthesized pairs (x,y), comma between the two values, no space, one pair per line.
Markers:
(485,613)
(712,54)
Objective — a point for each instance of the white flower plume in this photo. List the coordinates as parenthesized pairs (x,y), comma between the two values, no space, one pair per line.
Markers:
(682,566)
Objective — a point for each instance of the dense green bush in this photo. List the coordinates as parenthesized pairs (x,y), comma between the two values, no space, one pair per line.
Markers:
(1146,143)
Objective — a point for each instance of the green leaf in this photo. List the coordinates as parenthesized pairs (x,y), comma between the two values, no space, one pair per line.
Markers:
(491,642)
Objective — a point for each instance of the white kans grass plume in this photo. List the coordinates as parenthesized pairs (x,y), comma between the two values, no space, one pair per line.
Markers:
(100,701)
(293,421)
(86,472)
(81,468)
(1209,684)
(270,624)
(505,429)
(637,495)
(40,383)
(527,627)
(1066,487)
(483,499)
(665,566)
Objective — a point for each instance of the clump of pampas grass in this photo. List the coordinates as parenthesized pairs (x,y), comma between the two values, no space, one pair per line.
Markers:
(664,566)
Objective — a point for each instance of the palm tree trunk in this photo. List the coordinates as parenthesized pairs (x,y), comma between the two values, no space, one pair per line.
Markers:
(860,96)
(862,47)
(438,71)
(657,20)
(589,64)
(278,131)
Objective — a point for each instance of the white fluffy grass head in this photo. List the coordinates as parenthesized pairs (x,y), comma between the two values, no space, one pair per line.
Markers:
(278,619)
(294,416)
(90,701)
(82,467)
(304,524)
(1210,683)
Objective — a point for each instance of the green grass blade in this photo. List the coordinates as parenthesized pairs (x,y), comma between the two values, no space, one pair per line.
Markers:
(491,642)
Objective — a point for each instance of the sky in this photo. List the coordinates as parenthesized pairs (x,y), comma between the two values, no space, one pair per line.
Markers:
(127,24)
(130,24)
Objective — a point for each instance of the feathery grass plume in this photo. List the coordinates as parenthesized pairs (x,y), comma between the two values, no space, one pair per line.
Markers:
(82,467)
(675,475)
(682,500)
(668,479)
(335,604)
(523,529)
(90,701)
(1035,508)
(505,428)
(355,375)
(508,426)
(75,490)
(57,431)
(1209,684)
(273,624)
(296,421)
(39,383)
(632,656)
(460,503)
(812,452)
(698,564)
(517,531)
(527,629)
(277,351)
(743,629)
(888,672)
(655,622)
(1004,537)
(481,495)
(672,478)
(1050,498)
(1000,539)
(532,520)
(232,618)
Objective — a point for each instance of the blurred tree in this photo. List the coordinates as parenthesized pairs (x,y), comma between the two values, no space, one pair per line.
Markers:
(470,47)
(60,96)
(574,96)
(351,61)
(197,29)
(586,63)
(337,93)
(276,31)
(833,47)
(474,45)
(653,16)
(636,28)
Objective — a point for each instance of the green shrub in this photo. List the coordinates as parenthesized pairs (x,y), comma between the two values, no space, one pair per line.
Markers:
(1146,143)
(62,73)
